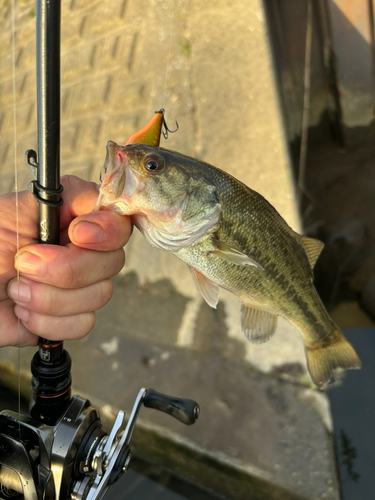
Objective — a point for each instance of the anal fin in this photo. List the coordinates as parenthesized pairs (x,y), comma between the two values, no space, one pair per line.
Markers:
(208,289)
(258,325)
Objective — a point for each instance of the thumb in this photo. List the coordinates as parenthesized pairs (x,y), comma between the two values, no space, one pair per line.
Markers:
(103,230)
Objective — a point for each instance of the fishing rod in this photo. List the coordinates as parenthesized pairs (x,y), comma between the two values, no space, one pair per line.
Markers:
(61,451)
(51,381)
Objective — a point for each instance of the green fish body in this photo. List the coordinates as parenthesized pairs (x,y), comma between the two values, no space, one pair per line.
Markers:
(230,237)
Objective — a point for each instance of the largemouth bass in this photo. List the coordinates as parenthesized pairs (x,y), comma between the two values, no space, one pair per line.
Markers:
(230,237)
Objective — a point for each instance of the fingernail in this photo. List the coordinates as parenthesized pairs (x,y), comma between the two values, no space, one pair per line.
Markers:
(19,291)
(29,263)
(21,313)
(88,232)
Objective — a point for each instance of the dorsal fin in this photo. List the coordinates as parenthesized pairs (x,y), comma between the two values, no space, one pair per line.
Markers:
(313,248)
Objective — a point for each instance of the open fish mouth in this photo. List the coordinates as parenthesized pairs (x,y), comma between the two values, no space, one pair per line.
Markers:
(119,182)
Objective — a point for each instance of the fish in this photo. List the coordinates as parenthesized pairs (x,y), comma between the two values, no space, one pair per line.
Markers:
(231,237)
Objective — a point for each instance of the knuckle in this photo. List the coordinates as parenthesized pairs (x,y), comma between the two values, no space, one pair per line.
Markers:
(48,302)
(35,323)
(66,276)
(105,292)
(87,323)
(65,180)
(119,261)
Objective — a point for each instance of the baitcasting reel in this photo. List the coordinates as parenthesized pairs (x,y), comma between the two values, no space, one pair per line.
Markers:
(74,459)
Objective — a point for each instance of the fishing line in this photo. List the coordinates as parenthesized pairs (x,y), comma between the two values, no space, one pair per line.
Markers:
(169,55)
(13,39)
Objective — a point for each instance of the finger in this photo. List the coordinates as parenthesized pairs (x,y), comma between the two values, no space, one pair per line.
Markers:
(56,328)
(52,301)
(79,198)
(12,331)
(100,231)
(27,218)
(69,266)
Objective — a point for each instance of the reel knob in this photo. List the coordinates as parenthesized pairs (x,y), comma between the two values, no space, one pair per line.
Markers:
(185,410)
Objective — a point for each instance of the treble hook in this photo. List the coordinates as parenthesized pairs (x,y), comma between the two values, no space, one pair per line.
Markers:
(164,124)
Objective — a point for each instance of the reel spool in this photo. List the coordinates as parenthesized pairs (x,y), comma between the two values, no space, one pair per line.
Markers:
(74,459)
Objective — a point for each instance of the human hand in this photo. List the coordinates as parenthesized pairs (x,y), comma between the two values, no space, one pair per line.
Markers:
(60,286)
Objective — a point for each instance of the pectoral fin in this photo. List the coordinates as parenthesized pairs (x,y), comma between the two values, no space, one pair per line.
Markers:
(312,248)
(257,325)
(225,251)
(208,289)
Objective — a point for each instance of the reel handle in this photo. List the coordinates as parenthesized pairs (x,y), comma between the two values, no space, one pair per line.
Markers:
(185,410)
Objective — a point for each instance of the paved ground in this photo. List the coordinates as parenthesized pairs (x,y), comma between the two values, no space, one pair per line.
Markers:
(259,420)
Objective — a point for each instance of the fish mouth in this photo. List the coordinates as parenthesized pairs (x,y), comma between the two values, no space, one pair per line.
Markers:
(119,182)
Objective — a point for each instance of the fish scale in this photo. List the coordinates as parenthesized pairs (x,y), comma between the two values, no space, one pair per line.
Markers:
(230,237)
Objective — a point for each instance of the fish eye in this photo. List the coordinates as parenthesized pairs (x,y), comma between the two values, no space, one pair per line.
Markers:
(153,163)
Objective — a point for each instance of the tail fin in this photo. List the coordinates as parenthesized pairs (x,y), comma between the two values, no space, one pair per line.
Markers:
(322,360)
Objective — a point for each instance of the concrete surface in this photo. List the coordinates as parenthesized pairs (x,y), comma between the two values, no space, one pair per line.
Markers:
(257,437)
(157,330)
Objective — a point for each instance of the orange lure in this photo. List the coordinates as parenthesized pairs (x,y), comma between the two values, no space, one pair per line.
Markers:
(150,134)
